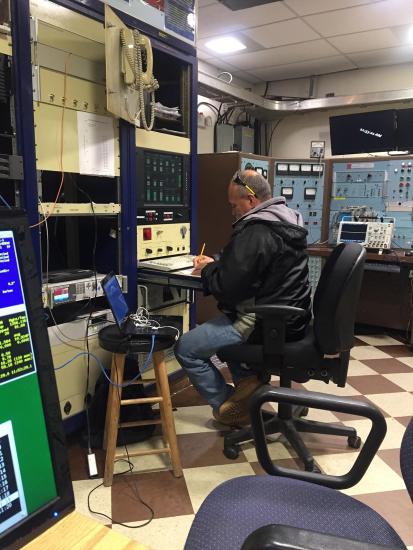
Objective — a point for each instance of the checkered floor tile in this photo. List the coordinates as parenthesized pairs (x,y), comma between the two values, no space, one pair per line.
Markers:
(381,370)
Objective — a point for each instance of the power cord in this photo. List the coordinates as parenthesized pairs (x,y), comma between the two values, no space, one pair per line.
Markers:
(132,486)
(129,471)
(141,319)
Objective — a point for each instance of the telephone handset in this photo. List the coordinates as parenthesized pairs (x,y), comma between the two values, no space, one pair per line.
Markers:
(136,52)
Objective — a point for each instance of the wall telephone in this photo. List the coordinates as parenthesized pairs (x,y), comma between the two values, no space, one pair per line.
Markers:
(137,72)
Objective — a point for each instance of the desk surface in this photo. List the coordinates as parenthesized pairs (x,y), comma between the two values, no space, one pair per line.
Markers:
(79,532)
(393,257)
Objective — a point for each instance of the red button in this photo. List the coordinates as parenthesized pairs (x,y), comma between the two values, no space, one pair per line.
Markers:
(147,233)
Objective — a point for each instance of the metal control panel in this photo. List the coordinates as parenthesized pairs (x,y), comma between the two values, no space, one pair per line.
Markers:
(155,241)
(162,187)
(176,18)
(67,292)
(301,182)
(260,166)
(380,189)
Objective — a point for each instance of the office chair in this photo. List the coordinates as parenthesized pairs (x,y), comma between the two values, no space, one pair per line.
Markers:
(322,354)
(298,510)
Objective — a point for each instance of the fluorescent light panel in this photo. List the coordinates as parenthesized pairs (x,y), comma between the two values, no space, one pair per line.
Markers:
(225,44)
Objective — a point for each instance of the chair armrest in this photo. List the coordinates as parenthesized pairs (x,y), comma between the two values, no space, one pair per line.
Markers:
(281,312)
(326,402)
(283,537)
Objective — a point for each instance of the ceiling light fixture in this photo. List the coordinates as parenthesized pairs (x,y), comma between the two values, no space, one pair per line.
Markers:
(225,44)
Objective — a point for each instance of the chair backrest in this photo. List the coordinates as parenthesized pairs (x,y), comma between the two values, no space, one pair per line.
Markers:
(406,458)
(336,297)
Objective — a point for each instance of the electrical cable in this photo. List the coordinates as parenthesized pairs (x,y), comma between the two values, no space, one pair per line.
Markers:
(208,105)
(102,368)
(131,467)
(86,337)
(272,134)
(3,200)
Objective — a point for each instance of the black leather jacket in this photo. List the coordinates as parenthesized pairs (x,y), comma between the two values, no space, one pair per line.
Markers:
(265,262)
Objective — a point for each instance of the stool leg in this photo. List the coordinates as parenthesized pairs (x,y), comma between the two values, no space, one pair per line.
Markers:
(112,416)
(166,405)
(161,407)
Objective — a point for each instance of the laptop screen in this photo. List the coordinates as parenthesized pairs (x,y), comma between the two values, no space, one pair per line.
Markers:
(116,300)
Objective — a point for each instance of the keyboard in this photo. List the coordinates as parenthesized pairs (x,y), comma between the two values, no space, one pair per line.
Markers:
(172,263)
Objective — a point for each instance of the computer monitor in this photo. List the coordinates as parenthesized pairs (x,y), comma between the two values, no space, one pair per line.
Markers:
(363,132)
(35,485)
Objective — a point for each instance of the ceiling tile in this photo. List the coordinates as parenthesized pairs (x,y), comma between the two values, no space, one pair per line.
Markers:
(307,68)
(202,54)
(223,65)
(285,32)
(390,56)
(377,15)
(217,19)
(284,54)
(365,41)
(304,7)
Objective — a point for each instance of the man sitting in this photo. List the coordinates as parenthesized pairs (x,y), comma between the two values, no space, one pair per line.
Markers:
(265,262)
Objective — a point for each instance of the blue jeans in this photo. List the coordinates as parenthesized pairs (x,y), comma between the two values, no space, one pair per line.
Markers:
(194,350)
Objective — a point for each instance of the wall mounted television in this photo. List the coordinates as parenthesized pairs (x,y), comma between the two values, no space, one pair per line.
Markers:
(370,132)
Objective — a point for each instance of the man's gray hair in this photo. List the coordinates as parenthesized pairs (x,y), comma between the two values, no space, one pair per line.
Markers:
(256,182)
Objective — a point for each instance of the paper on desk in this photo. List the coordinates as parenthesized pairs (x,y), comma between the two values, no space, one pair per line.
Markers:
(187,271)
(96,137)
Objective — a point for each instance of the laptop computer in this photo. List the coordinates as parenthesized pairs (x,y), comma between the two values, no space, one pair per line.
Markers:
(122,315)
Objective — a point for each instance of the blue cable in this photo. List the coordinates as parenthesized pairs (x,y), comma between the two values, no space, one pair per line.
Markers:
(102,368)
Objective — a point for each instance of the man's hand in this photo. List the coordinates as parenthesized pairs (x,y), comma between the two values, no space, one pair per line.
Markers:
(200,262)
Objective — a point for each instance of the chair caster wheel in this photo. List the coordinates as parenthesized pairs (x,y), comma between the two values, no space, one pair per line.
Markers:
(305,411)
(231,452)
(354,441)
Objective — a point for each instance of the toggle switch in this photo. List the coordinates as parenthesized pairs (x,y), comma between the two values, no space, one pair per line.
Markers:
(147,233)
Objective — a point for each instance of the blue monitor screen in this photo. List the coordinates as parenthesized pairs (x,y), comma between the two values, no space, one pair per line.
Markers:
(24,449)
(116,300)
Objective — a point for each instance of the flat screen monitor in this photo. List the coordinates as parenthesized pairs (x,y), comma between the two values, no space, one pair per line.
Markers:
(363,133)
(35,485)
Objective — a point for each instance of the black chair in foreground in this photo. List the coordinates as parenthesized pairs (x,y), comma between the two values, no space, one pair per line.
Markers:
(298,510)
(322,354)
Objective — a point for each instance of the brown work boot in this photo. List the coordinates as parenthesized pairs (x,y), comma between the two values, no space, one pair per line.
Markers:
(235,410)
(235,416)
(242,393)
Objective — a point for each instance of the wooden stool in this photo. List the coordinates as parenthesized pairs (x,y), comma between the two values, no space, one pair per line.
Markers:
(112,340)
